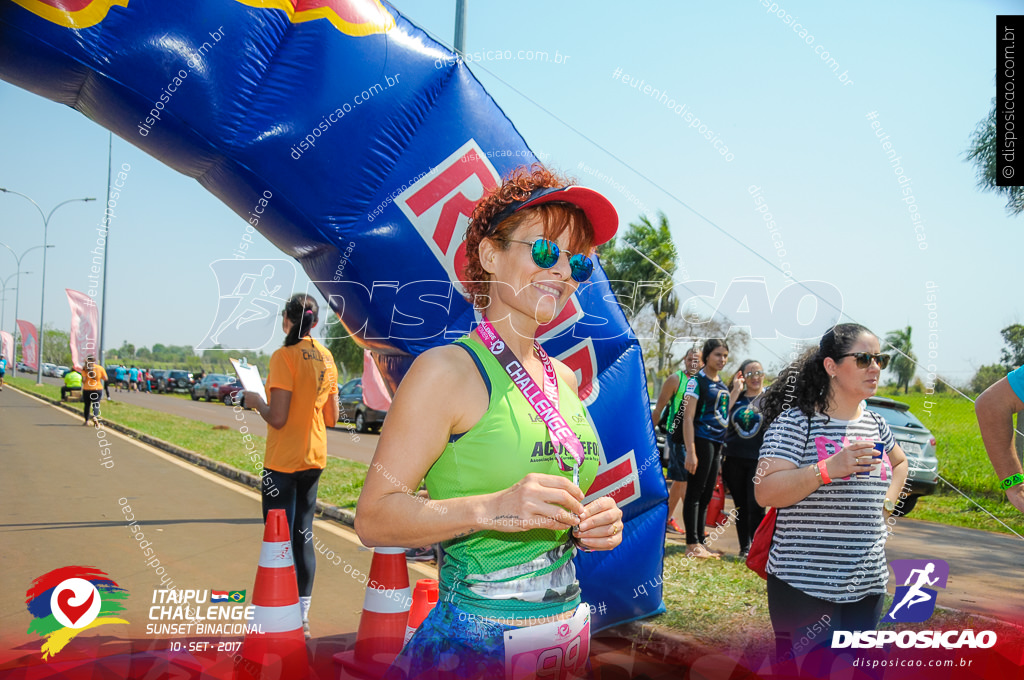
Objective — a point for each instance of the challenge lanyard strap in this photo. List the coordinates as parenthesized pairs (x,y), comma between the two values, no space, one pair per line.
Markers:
(547,407)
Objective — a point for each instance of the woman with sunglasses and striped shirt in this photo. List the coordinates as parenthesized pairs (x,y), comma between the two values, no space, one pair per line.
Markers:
(834,491)
(497,429)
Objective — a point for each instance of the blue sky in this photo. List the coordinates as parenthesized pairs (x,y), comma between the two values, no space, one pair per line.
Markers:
(791,126)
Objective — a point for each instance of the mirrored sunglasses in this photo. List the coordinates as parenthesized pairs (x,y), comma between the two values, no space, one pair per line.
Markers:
(546,253)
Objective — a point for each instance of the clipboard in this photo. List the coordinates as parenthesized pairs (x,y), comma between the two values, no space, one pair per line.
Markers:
(249,376)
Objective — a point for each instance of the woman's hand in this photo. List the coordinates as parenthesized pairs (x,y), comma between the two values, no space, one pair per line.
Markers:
(254,400)
(600,525)
(537,501)
(856,457)
(691,461)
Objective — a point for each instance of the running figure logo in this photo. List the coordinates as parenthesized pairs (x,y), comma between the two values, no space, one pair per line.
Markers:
(913,602)
(251,293)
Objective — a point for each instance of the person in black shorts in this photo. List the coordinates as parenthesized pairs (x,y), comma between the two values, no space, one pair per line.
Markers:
(672,396)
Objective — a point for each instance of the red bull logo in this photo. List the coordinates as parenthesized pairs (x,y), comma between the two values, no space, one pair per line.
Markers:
(356,18)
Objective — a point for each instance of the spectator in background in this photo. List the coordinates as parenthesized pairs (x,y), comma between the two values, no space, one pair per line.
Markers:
(93,376)
(833,491)
(303,388)
(672,396)
(995,408)
(742,444)
(705,418)
(72,383)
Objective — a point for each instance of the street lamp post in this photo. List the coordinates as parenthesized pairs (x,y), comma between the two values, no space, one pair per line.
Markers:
(42,302)
(3,292)
(17,294)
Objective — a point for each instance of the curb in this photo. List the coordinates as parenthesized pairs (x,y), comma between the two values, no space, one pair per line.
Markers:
(346,517)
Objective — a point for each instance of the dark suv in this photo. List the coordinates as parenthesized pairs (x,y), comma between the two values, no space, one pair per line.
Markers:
(352,409)
(917,442)
(178,381)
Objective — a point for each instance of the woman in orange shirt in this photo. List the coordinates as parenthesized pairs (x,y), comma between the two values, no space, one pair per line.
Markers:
(93,377)
(303,388)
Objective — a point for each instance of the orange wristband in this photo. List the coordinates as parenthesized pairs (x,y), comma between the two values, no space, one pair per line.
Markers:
(824,472)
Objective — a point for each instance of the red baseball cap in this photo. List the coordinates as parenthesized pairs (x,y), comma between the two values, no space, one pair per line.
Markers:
(598,209)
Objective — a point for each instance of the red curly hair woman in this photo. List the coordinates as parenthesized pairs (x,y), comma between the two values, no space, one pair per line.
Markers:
(469,418)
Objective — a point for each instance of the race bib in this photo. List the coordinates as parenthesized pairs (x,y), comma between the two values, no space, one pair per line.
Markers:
(551,651)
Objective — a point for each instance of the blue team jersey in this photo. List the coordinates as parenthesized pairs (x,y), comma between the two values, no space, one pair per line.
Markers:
(712,417)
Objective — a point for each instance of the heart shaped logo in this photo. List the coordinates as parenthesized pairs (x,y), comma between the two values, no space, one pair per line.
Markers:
(74,612)
(75,603)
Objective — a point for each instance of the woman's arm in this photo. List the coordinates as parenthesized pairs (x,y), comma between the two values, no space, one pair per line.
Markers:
(667,390)
(275,413)
(331,410)
(900,468)
(689,410)
(783,484)
(389,512)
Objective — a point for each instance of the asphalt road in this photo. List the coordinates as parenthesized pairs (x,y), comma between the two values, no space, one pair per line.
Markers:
(62,507)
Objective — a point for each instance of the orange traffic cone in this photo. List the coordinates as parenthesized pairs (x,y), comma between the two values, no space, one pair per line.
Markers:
(385,615)
(278,647)
(424,597)
(716,517)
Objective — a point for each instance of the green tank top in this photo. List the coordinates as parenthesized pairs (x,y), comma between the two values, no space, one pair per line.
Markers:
(490,573)
(677,401)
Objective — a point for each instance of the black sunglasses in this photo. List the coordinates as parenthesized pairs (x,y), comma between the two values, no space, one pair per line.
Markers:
(546,253)
(864,359)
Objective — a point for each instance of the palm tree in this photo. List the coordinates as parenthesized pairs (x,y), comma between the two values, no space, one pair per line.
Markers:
(903,361)
(984,154)
(640,271)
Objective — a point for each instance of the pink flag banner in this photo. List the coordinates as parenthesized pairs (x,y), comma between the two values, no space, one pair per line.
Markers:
(29,344)
(7,349)
(375,394)
(84,327)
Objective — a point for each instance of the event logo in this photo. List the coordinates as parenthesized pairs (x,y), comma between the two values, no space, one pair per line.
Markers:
(251,293)
(913,601)
(66,601)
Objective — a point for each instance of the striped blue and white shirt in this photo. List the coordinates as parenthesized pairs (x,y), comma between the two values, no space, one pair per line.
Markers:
(831,545)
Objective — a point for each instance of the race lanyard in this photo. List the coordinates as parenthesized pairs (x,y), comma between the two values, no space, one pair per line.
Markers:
(546,406)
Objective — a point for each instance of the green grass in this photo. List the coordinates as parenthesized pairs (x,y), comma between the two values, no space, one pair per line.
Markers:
(340,482)
(963,463)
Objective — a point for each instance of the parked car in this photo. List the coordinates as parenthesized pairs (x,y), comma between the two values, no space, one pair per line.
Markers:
(208,387)
(23,367)
(62,371)
(917,442)
(662,438)
(157,377)
(228,391)
(178,381)
(352,409)
(50,370)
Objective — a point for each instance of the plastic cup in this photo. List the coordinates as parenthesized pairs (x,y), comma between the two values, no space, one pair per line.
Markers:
(879,450)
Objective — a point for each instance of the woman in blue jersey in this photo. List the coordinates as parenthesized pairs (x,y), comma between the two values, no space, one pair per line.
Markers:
(705,419)
(496,428)
(833,490)
(742,444)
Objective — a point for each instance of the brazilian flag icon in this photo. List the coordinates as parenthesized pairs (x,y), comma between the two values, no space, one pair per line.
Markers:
(237,596)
